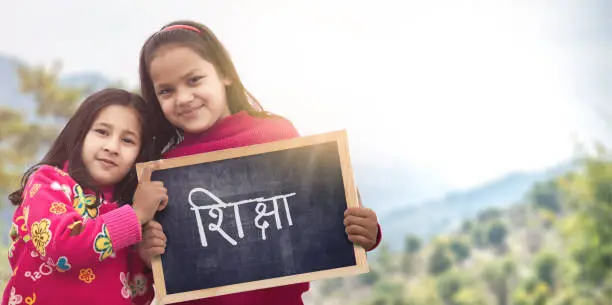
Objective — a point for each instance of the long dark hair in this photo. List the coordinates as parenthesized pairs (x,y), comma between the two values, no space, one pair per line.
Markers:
(205,43)
(68,145)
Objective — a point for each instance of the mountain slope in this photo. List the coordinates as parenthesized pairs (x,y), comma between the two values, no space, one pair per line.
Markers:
(441,216)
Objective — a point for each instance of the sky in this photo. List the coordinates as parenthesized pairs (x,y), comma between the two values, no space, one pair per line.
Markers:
(459,92)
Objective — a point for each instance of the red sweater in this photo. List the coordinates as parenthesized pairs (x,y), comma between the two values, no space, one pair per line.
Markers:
(65,251)
(239,130)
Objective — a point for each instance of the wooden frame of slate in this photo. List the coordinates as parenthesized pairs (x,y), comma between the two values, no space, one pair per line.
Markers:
(211,252)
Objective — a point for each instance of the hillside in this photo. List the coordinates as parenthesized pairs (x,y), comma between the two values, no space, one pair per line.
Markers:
(440,216)
(552,248)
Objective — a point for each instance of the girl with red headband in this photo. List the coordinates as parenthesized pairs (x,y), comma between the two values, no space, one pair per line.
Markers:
(191,85)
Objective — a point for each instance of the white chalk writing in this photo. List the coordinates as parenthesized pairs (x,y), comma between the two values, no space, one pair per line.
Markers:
(215,211)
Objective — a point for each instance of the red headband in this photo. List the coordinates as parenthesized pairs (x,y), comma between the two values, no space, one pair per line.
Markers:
(181,26)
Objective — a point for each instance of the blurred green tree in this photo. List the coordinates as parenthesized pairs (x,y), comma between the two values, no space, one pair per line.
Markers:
(498,276)
(52,99)
(384,258)
(412,244)
(489,214)
(448,286)
(21,141)
(440,260)
(532,292)
(460,249)
(546,196)
(496,234)
(545,268)
(387,293)
(588,229)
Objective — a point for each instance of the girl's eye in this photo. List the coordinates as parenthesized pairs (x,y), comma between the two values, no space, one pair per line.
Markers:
(194,80)
(101,131)
(129,141)
(163,92)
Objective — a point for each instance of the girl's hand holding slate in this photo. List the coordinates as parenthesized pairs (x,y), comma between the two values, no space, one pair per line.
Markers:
(153,242)
(150,196)
(361,226)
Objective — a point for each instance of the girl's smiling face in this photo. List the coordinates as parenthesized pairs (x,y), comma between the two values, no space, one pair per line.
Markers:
(112,144)
(191,93)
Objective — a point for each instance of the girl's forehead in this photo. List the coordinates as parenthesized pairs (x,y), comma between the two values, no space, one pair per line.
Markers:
(119,117)
(173,63)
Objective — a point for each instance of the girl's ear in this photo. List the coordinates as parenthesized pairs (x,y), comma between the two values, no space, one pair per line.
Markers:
(226,81)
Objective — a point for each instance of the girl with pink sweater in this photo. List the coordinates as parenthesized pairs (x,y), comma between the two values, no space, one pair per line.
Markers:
(73,230)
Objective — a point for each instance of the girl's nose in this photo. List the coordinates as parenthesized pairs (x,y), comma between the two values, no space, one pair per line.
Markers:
(111,146)
(184,97)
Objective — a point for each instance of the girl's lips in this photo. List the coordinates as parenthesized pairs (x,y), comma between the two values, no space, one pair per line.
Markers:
(107,162)
(189,112)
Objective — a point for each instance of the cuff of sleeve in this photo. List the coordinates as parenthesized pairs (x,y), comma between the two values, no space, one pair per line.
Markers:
(378,238)
(123,227)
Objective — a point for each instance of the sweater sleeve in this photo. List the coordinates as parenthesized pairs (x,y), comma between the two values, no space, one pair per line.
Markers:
(378,238)
(64,226)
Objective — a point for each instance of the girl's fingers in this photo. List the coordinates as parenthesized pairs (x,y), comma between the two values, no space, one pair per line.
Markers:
(357,230)
(360,212)
(155,251)
(154,225)
(360,240)
(163,202)
(354,220)
(153,234)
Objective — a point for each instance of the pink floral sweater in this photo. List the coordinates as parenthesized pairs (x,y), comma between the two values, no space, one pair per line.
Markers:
(65,250)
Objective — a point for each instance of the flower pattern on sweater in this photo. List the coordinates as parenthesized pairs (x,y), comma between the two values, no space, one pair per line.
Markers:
(103,244)
(61,241)
(85,204)
(41,235)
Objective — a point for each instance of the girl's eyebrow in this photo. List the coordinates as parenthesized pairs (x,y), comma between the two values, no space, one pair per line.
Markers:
(191,72)
(103,124)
